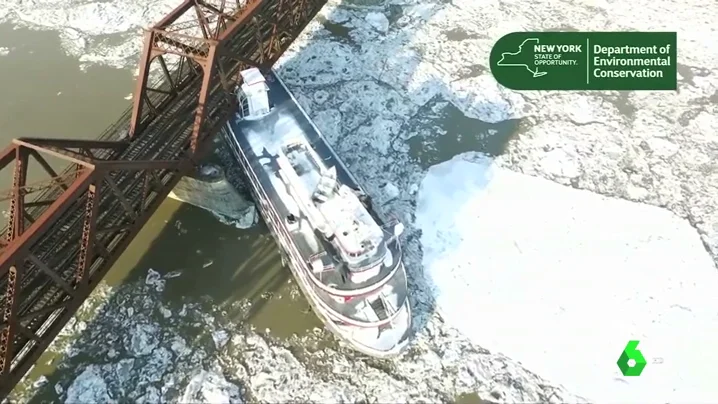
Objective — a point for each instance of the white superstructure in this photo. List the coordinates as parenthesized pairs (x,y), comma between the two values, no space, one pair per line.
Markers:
(253,97)
(334,209)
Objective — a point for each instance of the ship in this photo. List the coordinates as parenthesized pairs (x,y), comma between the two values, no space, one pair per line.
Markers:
(345,256)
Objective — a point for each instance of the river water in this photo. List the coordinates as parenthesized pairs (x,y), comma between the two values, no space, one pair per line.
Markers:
(188,284)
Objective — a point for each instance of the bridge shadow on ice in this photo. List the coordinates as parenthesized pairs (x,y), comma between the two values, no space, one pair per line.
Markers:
(221,267)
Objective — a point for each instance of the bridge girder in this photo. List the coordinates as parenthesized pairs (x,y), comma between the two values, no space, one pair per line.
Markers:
(59,244)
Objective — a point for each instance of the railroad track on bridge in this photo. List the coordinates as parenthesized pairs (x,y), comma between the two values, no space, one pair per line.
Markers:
(66,231)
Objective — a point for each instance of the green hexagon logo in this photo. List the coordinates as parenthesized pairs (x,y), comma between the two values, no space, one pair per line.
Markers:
(631,362)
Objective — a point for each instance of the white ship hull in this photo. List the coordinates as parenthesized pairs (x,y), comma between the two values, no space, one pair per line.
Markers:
(348,313)
(386,343)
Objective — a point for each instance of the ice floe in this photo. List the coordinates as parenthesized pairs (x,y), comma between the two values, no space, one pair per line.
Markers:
(561,279)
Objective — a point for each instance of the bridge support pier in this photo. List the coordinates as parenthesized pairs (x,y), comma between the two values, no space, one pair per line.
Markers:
(207,187)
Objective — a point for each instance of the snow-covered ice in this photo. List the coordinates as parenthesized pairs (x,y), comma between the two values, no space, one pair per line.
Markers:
(208,387)
(561,279)
(378,21)
(182,362)
(88,387)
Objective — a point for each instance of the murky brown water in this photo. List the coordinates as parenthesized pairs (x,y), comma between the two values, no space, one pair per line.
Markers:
(457,134)
(45,94)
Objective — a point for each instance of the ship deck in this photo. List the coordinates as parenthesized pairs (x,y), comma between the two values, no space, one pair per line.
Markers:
(259,141)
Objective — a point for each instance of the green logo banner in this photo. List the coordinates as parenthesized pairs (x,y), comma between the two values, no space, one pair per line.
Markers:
(631,362)
(586,61)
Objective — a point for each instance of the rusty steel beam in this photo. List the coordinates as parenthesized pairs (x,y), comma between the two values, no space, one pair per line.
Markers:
(76,144)
(8,155)
(36,186)
(82,151)
(263,28)
(17,202)
(52,151)
(13,266)
(96,255)
(173,15)
(21,243)
(85,216)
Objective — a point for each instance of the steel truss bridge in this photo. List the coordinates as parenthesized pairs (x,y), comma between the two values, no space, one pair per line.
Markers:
(65,230)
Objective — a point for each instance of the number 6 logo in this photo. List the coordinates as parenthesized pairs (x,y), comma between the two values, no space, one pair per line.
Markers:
(631,362)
